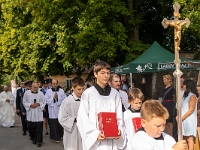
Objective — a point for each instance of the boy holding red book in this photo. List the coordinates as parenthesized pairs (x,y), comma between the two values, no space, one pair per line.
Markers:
(100,98)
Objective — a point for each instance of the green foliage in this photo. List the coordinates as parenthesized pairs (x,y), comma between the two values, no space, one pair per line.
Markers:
(49,37)
(190,36)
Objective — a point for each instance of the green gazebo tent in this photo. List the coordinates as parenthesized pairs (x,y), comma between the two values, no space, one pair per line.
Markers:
(154,59)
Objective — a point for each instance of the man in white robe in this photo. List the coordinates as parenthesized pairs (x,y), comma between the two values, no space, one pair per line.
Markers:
(68,116)
(54,98)
(7,108)
(34,102)
(99,98)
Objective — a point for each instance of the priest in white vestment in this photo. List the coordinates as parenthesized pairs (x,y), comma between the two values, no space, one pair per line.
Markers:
(54,98)
(34,102)
(7,108)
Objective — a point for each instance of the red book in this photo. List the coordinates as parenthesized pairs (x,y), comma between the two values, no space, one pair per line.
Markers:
(137,123)
(108,124)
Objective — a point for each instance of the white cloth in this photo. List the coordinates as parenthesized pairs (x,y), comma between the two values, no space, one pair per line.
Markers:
(124,97)
(142,141)
(67,114)
(129,128)
(53,108)
(189,125)
(7,109)
(93,103)
(34,114)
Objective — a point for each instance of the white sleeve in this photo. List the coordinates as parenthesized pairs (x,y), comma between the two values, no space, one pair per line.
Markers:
(66,121)
(49,98)
(25,101)
(12,98)
(87,128)
(42,101)
(121,142)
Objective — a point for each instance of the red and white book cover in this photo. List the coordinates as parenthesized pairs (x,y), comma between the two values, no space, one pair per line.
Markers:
(108,124)
(136,123)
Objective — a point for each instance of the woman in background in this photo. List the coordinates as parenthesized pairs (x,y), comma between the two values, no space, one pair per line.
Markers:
(189,113)
(168,95)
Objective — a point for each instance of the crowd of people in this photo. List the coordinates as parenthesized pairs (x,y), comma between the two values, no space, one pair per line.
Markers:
(74,118)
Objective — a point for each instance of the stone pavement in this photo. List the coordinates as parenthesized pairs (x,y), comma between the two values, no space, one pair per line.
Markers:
(12,139)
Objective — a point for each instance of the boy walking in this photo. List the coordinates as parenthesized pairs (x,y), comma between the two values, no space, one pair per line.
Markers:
(67,116)
(151,136)
(99,98)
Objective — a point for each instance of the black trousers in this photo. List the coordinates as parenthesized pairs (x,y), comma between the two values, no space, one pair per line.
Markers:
(24,123)
(56,130)
(36,129)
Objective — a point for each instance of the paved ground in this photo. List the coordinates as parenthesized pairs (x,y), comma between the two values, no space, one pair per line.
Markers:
(12,139)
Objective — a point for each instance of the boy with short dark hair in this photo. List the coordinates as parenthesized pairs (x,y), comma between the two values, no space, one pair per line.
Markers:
(68,116)
(151,136)
(99,98)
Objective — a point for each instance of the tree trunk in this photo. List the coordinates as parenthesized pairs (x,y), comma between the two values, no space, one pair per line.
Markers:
(133,32)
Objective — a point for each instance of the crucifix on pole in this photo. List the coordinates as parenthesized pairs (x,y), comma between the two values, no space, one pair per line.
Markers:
(177,24)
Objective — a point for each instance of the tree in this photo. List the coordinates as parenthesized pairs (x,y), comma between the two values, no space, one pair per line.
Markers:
(49,37)
(35,35)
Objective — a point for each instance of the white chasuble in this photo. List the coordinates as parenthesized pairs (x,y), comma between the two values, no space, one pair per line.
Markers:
(7,109)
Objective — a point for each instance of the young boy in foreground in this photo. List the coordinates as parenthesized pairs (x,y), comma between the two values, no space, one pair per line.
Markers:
(151,136)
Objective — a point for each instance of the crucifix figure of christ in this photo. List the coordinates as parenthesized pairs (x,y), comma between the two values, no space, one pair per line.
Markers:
(177,24)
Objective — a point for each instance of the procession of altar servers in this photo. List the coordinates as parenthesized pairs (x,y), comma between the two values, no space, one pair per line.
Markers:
(77,115)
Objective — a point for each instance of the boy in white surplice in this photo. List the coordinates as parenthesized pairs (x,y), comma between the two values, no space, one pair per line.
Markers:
(67,116)
(99,98)
(151,136)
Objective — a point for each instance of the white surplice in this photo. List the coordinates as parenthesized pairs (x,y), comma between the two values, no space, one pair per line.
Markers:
(124,97)
(34,114)
(142,141)
(129,128)
(93,103)
(67,114)
(53,108)
(7,109)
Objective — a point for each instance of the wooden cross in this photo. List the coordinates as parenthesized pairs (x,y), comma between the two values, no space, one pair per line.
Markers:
(177,24)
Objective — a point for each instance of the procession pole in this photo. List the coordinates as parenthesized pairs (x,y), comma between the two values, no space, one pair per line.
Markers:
(177,24)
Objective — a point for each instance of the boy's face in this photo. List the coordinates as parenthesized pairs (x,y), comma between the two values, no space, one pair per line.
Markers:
(102,77)
(154,127)
(78,90)
(135,104)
